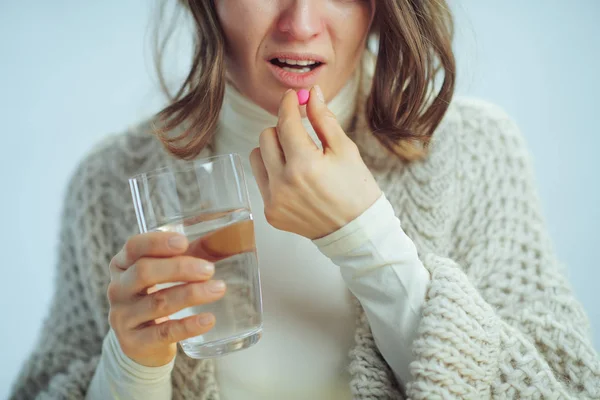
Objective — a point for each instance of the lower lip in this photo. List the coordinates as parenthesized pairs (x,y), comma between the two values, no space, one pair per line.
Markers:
(295,80)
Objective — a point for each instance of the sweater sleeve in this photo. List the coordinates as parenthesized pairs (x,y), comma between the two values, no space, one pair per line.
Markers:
(69,345)
(499,319)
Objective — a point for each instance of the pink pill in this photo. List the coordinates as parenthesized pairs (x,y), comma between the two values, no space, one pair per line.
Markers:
(303,96)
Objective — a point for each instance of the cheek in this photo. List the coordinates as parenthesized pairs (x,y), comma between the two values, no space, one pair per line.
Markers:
(352,41)
(243,23)
(229,18)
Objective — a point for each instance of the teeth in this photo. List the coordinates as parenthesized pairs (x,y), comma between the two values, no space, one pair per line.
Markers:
(296,62)
(296,70)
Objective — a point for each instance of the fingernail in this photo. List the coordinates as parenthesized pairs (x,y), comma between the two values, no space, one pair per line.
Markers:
(216,286)
(205,268)
(320,95)
(206,319)
(177,242)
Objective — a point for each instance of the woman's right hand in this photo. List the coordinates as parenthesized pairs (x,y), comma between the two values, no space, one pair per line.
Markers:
(139,312)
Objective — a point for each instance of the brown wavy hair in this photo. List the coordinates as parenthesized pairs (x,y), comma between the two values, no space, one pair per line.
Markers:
(412,86)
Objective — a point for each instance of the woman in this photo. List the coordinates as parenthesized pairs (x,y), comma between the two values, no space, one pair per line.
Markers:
(424,209)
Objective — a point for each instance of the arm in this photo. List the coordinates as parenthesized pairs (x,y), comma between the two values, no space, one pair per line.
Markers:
(499,319)
(69,346)
(70,349)
(381,267)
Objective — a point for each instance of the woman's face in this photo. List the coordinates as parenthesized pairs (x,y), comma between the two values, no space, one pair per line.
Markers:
(274,45)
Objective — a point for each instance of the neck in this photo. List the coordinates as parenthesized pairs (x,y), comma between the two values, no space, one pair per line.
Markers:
(241,121)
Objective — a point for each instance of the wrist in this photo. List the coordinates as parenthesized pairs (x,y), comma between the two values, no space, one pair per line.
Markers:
(122,365)
(359,230)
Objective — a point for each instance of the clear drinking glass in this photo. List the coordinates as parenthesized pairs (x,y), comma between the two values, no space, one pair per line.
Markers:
(207,201)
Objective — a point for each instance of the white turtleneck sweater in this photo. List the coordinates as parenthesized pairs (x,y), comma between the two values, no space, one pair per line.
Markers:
(308,313)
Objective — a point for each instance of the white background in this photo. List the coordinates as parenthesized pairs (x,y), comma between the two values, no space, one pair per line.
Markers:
(73,71)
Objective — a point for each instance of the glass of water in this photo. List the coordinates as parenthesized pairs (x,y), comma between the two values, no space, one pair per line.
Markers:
(207,201)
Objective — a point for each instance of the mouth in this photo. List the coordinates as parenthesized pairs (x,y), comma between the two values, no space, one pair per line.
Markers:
(294,70)
(296,66)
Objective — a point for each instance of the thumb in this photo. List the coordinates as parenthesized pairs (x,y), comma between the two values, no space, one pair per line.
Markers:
(324,122)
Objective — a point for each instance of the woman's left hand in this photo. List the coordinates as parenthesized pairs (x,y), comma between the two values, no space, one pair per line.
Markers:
(306,190)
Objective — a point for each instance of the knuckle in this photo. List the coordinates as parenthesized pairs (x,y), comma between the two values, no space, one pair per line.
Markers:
(271,216)
(142,272)
(158,302)
(183,266)
(187,327)
(293,175)
(194,293)
(112,292)
(164,333)
(131,247)
(255,154)
(269,132)
(267,135)
(155,240)
(113,263)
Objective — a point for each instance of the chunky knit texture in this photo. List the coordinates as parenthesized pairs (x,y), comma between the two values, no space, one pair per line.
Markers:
(499,319)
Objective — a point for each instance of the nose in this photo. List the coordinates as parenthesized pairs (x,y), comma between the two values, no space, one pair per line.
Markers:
(301,20)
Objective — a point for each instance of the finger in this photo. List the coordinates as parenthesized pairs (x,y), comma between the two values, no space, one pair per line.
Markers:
(173,331)
(260,173)
(152,244)
(166,302)
(292,135)
(324,122)
(147,272)
(271,152)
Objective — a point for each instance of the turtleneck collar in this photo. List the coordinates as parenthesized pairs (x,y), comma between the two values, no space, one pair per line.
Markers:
(241,121)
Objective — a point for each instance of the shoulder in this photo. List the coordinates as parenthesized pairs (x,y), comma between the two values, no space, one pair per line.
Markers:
(484,129)
(119,156)
(479,145)
(478,135)
(491,155)
(106,168)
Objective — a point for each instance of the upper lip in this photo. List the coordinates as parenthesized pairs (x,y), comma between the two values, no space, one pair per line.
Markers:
(296,56)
